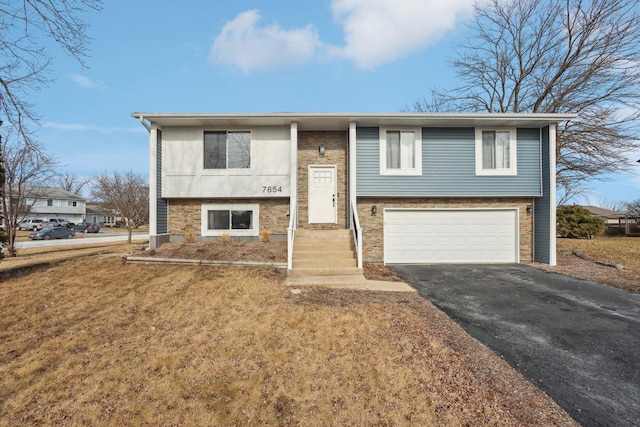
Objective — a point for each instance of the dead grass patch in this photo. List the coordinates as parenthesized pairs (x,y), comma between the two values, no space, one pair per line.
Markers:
(99,341)
(612,250)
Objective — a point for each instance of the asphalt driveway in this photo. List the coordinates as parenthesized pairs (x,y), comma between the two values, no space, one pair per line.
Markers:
(577,340)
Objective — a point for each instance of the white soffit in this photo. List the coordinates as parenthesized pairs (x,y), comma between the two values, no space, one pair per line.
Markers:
(340,121)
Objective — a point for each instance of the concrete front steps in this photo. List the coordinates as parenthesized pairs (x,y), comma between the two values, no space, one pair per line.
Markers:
(324,253)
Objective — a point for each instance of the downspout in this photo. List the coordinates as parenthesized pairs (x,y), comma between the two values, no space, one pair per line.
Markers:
(352,164)
(145,124)
(552,194)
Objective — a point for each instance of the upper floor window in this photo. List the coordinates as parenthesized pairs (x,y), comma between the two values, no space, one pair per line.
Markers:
(49,202)
(400,152)
(227,150)
(496,152)
(73,203)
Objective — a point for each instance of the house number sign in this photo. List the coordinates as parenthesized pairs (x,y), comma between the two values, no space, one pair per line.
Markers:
(272,189)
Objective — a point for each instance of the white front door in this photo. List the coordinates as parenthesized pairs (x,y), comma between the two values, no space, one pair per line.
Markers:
(322,195)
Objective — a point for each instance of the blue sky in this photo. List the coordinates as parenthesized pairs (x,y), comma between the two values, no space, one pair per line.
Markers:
(248,56)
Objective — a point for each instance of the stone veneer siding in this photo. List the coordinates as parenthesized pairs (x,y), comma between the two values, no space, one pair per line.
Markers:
(336,154)
(372,225)
(185,215)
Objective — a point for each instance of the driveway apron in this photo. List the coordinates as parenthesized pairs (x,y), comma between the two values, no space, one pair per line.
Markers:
(577,340)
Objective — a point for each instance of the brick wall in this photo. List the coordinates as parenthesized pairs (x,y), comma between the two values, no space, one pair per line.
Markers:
(372,225)
(336,154)
(185,215)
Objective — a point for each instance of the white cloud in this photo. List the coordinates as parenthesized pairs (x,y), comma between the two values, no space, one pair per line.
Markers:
(379,31)
(375,32)
(86,82)
(243,44)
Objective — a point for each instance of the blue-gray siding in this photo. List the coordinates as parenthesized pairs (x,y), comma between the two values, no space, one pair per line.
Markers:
(448,167)
(161,204)
(542,209)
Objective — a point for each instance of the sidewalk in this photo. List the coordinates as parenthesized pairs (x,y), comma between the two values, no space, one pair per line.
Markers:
(349,282)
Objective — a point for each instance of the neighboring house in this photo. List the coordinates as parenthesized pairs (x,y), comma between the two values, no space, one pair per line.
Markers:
(101,216)
(413,188)
(612,219)
(48,202)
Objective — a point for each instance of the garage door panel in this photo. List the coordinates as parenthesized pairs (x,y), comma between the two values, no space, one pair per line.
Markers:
(450,236)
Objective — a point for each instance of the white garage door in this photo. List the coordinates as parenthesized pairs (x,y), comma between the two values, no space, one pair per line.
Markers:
(450,236)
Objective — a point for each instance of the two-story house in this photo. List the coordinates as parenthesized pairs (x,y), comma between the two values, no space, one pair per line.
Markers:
(409,187)
(49,202)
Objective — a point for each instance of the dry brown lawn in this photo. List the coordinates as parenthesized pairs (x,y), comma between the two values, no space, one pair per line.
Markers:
(624,251)
(98,341)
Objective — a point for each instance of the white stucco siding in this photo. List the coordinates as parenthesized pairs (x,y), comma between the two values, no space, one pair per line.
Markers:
(184,174)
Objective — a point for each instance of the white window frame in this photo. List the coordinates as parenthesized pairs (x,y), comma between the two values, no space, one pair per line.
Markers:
(417,169)
(513,154)
(205,208)
(227,132)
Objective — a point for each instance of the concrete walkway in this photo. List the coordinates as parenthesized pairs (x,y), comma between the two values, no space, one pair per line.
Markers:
(358,282)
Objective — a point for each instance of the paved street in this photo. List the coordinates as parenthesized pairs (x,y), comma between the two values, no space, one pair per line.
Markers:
(80,239)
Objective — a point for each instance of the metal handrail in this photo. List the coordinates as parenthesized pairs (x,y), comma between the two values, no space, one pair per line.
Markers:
(357,232)
(291,232)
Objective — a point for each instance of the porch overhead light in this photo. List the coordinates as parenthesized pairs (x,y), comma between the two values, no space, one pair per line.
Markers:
(322,149)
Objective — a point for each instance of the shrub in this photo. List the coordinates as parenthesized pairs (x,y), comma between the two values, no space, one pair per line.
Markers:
(615,231)
(264,235)
(225,238)
(190,236)
(576,221)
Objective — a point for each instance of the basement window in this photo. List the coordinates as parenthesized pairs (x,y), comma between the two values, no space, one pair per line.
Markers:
(231,219)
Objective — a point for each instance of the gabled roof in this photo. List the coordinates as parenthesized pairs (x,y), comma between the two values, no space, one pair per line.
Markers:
(98,210)
(604,213)
(41,192)
(340,121)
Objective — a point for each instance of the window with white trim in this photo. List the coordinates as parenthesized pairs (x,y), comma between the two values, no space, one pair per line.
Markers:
(231,219)
(496,152)
(400,151)
(227,150)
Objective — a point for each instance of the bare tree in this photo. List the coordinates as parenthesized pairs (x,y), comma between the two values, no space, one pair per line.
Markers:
(569,193)
(613,205)
(3,236)
(125,193)
(72,183)
(633,209)
(27,169)
(24,56)
(557,56)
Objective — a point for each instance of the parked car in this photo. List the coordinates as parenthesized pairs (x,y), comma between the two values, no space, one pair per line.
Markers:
(86,227)
(31,224)
(50,232)
(59,222)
